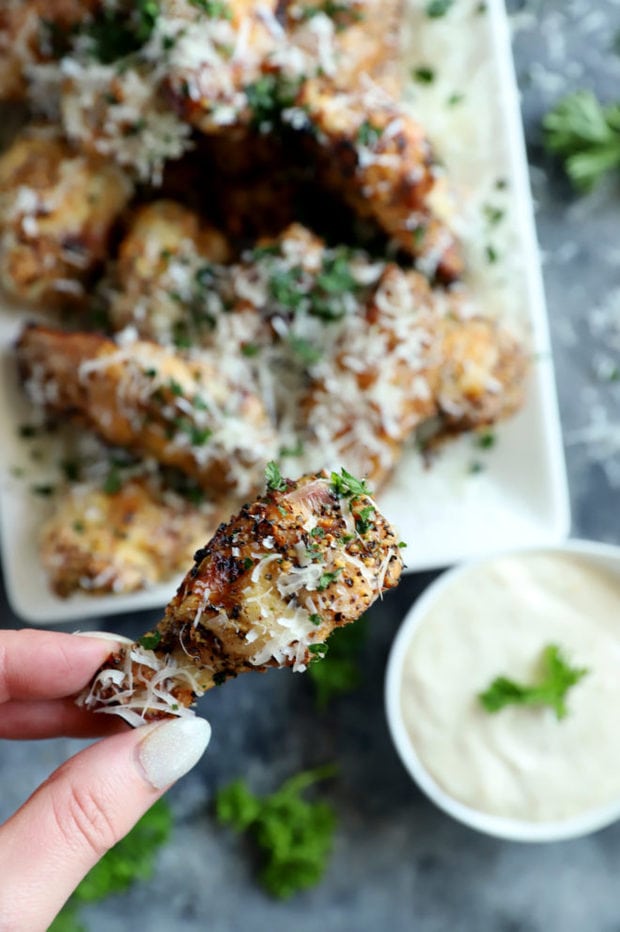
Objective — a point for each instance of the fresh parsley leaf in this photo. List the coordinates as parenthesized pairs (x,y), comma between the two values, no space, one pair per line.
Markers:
(113,481)
(150,641)
(363,519)
(326,579)
(586,135)
(557,678)
(423,75)
(347,486)
(437,8)
(293,836)
(339,673)
(369,135)
(273,477)
(130,860)
(307,352)
(216,9)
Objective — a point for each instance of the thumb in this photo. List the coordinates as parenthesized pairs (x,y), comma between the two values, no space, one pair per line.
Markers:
(82,810)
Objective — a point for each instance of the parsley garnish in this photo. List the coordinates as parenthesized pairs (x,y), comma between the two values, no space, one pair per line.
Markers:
(347,486)
(303,348)
(113,482)
(175,387)
(273,477)
(248,563)
(293,836)
(327,578)
(368,135)
(558,677)
(493,214)
(316,619)
(130,860)
(216,9)
(363,519)
(586,135)
(486,440)
(116,33)
(268,96)
(437,8)
(423,75)
(150,641)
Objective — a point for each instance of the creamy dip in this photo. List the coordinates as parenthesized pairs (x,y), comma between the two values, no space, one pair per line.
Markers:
(496,619)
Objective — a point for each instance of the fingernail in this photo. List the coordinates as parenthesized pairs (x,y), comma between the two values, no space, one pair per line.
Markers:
(170,750)
(104,635)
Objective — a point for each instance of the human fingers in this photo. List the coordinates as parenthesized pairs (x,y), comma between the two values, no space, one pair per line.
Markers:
(84,809)
(54,718)
(48,664)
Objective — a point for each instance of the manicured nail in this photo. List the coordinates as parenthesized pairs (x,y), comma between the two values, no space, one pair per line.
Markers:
(104,635)
(170,750)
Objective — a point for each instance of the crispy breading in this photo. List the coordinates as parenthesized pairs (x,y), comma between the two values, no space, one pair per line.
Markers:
(481,379)
(189,414)
(268,590)
(144,293)
(98,542)
(372,152)
(57,210)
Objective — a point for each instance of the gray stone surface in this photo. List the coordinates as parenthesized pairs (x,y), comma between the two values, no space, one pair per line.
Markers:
(399,863)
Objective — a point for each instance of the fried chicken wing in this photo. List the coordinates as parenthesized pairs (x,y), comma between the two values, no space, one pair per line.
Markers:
(57,210)
(377,386)
(189,414)
(378,158)
(160,262)
(119,542)
(482,376)
(267,590)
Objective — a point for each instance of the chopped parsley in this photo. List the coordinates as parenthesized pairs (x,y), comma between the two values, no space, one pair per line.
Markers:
(273,477)
(216,9)
(284,287)
(438,8)
(347,486)
(316,619)
(268,97)
(486,440)
(116,33)
(44,490)
(293,836)
(176,388)
(78,527)
(369,135)
(320,650)
(150,641)
(493,214)
(551,690)
(423,75)
(307,352)
(455,99)
(326,579)
(250,349)
(113,481)
(248,563)
(491,254)
(363,521)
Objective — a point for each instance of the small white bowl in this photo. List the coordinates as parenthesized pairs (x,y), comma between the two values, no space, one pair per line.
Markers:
(604,556)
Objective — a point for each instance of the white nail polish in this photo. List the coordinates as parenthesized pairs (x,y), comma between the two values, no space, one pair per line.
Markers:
(171,749)
(104,635)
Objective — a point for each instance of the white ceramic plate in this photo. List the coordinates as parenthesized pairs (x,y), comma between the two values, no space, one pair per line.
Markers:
(445,513)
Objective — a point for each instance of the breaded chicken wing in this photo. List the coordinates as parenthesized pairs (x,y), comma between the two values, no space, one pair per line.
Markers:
(189,414)
(160,263)
(372,152)
(99,542)
(57,210)
(268,590)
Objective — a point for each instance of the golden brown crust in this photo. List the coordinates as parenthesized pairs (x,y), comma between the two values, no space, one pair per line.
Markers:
(120,542)
(58,211)
(150,400)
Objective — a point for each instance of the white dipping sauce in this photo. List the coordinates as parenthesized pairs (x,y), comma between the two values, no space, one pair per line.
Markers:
(496,619)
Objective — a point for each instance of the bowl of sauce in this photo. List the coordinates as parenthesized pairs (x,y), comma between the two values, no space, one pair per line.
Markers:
(503,692)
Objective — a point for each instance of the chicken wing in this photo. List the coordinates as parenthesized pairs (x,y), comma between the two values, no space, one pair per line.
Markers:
(193,415)
(98,542)
(268,590)
(372,152)
(165,254)
(57,210)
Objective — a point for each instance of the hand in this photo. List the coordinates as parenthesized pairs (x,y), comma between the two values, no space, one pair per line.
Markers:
(88,804)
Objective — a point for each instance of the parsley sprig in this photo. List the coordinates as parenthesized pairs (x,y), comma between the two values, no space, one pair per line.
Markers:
(273,477)
(347,486)
(586,135)
(294,836)
(557,678)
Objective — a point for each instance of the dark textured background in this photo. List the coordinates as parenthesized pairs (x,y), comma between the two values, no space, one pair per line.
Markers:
(399,863)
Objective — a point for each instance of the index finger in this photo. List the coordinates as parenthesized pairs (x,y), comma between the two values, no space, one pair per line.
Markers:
(48,665)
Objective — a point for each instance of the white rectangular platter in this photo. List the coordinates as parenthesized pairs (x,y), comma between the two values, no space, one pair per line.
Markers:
(469,501)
